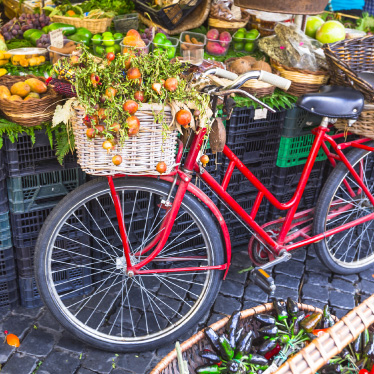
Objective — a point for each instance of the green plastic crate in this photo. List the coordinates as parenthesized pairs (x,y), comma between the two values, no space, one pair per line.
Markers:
(295,151)
(42,190)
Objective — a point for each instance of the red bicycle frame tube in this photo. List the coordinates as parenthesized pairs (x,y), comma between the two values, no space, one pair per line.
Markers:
(185,173)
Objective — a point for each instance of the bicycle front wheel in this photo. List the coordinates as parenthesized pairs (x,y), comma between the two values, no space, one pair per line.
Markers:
(80,267)
(342,201)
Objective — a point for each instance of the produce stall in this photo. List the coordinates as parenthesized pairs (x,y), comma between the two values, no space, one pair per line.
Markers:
(109,87)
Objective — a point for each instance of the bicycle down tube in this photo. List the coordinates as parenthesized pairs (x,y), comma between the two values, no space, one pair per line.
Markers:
(185,175)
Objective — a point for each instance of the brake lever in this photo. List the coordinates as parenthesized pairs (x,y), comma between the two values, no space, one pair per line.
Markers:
(229,92)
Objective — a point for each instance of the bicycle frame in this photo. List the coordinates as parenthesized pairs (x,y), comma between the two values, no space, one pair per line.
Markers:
(184,176)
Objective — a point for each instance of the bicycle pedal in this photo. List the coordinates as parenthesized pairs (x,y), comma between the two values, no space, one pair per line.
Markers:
(263,280)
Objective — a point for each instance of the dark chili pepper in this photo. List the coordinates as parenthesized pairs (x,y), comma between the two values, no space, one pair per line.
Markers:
(311,336)
(238,335)
(265,319)
(244,345)
(331,369)
(361,364)
(208,369)
(369,348)
(232,325)
(365,339)
(210,356)
(344,353)
(257,359)
(233,366)
(268,331)
(273,352)
(327,317)
(296,326)
(213,339)
(227,352)
(308,324)
(267,346)
(280,309)
(292,307)
(357,345)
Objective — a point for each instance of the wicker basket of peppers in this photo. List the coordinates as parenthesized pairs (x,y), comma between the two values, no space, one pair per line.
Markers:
(257,340)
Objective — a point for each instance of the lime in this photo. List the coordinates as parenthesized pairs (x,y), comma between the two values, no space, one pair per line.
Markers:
(117,48)
(171,52)
(107,33)
(249,47)
(250,36)
(108,41)
(166,44)
(99,50)
(118,35)
(243,30)
(158,39)
(239,46)
(158,52)
(96,39)
(110,49)
(161,36)
(239,35)
(254,31)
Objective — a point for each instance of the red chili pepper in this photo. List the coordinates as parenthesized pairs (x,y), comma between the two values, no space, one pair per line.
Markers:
(372,370)
(363,371)
(273,352)
(319,332)
(307,316)
(219,364)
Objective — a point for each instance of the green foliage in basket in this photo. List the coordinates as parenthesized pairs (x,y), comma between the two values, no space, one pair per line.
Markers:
(39,71)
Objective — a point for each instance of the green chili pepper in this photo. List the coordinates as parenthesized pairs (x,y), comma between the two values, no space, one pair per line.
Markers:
(265,319)
(280,309)
(267,346)
(284,339)
(213,339)
(210,356)
(209,369)
(244,345)
(232,326)
(227,352)
(292,307)
(268,330)
(308,324)
(257,359)
(328,321)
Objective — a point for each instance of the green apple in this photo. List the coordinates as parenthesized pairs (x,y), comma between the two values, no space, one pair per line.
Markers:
(313,23)
(330,32)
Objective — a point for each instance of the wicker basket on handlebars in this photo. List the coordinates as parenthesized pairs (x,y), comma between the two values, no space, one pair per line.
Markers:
(303,81)
(191,347)
(140,154)
(319,351)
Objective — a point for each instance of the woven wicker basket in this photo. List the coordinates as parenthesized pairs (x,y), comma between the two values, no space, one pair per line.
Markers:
(319,351)
(31,112)
(253,86)
(94,25)
(303,81)
(364,126)
(140,154)
(349,57)
(192,346)
(222,24)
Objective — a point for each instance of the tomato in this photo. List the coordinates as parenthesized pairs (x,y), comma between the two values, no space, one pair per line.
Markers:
(110,56)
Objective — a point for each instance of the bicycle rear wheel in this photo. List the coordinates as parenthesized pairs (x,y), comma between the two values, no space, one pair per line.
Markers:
(80,269)
(342,201)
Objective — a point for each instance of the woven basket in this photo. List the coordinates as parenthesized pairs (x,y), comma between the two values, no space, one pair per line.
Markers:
(319,351)
(303,81)
(192,346)
(140,154)
(31,112)
(253,86)
(194,19)
(364,126)
(222,24)
(96,26)
(349,57)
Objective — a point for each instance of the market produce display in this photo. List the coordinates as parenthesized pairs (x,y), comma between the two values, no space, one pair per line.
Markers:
(30,89)
(262,344)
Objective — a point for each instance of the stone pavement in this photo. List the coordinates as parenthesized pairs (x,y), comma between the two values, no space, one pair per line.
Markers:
(46,349)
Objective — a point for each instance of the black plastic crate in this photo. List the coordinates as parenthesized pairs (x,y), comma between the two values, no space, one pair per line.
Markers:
(255,147)
(75,242)
(8,294)
(170,16)
(299,122)
(7,264)
(286,181)
(244,120)
(26,226)
(5,231)
(23,157)
(239,184)
(4,206)
(42,190)
(73,279)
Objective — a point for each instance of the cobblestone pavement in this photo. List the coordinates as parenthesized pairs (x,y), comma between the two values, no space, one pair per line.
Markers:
(46,349)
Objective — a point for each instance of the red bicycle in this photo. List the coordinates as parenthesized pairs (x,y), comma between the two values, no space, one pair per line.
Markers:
(130,263)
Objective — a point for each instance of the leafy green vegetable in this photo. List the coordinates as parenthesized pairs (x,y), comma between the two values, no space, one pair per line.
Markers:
(39,71)
(18,43)
(366,23)
(117,6)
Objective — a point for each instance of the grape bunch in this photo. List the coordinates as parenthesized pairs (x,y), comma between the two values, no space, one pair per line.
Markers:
(148,34)
(17,26)
(45,41)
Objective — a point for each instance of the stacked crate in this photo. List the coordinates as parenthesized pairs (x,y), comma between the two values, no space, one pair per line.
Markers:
(8,280)
(253,136)
(36,183)
(294,149)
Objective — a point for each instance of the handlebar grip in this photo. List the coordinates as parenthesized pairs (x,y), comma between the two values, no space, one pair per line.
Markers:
(275,80)
(225,74)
